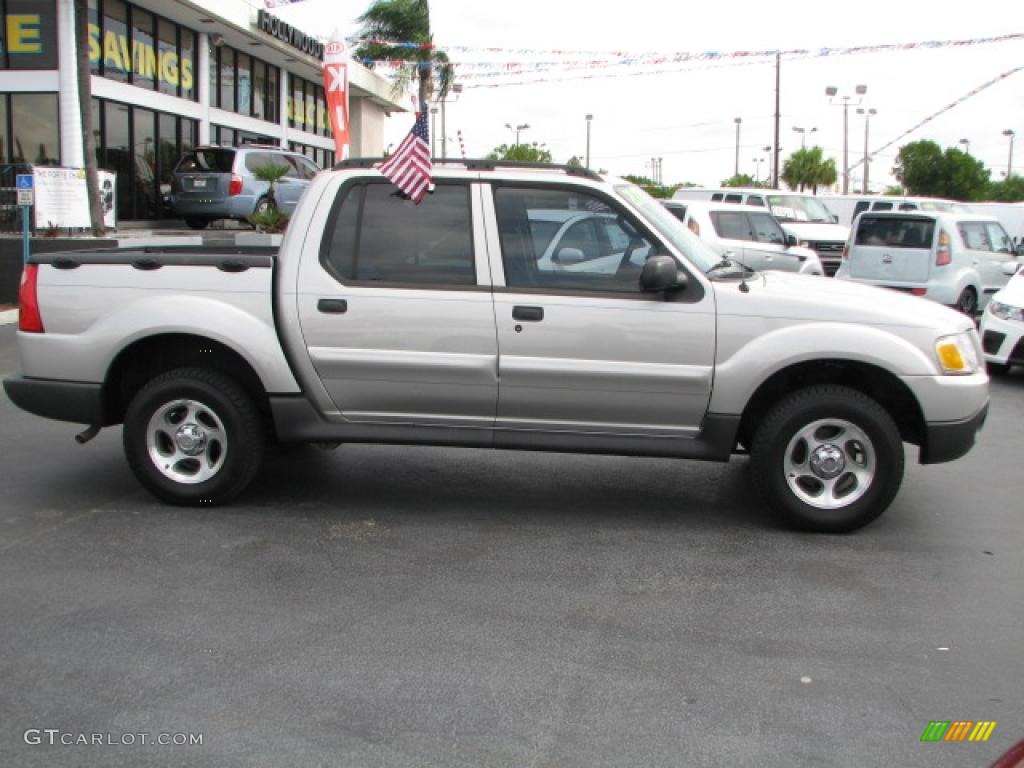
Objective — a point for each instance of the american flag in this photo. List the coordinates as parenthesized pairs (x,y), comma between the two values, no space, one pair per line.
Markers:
(410,167)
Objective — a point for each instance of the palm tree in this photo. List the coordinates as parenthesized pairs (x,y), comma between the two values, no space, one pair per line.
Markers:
(808,168)
(387,24)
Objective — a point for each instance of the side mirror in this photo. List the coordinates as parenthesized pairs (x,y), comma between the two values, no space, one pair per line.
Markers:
(567,256)
(661,273)
(1010,268)
(790,240)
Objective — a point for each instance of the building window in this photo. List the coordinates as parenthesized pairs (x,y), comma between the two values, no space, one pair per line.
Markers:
(243,84)
(35,136)
(169,75)
(226,58)
(244,78)
(143,52)
(116,53)
(273,88)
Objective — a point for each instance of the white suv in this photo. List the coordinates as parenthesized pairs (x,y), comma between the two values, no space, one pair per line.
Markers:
(954,259)
(752,237)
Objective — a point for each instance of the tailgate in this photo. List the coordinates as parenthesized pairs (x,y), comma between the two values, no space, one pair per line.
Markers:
(204,186)
(893,248)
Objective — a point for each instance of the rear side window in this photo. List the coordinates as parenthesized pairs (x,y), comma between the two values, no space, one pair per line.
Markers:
(716,198)
(734,198)
(881,207)
(254,161)
(860,207)
(377,237)
(755,200)
(895,232)
(679,211)
(975,236)
(207,160)
(731,225)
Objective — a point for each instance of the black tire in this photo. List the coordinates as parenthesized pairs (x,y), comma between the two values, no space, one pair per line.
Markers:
(967,303)
(778,474)
(263,205)
(997,369)
(223,419)
(197,223)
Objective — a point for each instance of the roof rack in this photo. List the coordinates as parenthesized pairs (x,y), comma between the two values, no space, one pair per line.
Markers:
(480,165)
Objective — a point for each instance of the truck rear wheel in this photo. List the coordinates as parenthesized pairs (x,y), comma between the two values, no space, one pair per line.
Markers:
(193,437)
(827,459)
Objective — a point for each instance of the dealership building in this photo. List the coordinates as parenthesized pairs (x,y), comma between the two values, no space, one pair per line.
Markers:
(168,75)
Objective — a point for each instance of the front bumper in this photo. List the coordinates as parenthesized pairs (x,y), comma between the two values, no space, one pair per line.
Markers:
(1002,340)
(947,441)
(74,401)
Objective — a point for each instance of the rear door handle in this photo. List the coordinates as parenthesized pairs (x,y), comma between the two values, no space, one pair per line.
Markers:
(332,306)
(528,314)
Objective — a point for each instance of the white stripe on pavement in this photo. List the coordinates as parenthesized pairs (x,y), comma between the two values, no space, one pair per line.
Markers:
(8,317)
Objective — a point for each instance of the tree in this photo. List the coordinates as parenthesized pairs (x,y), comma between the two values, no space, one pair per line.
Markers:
(1009,190)
(924,169)
(651,187)
(92,181)
(742,180)
(388,26)
(808,168)
(521,153)
(575,162)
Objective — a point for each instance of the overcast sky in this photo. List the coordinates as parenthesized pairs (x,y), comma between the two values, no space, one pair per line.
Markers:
(686,115)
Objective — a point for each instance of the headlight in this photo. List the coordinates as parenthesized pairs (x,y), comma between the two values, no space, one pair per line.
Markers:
(804,244)
(1006,311)
(957,355)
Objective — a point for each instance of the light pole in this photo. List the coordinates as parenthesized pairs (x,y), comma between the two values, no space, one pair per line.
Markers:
(738,121)
(456,89)
(757,169)
(517,130)
(868,114)
(590,119)
(967,145)
(832,92)
(769,179)
(803,134)
(433,131)
(1009,163)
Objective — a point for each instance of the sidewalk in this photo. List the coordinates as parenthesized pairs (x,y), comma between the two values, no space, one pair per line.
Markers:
(8,316)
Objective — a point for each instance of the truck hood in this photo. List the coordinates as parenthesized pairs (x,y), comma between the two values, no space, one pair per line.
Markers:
(799,297)
(804,230)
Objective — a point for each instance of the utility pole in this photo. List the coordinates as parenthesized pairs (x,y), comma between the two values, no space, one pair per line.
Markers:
(868,114)
(778,113)
(589,120)
(738,121)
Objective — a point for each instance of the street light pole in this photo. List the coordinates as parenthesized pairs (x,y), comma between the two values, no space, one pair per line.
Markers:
(868,114)
(831,91)
(517,130)
(433,131)
(1009,163)
(967,145)
(803,135)
(589,120)
(738,121)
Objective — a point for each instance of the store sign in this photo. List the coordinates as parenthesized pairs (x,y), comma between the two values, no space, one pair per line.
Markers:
(62,200)
(286,33)
(141,58)
(28,36)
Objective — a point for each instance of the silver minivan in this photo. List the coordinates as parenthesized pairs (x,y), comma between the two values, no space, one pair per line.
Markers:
(954,259)
(214,182)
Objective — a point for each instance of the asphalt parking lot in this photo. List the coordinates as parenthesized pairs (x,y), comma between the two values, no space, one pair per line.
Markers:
(390,606)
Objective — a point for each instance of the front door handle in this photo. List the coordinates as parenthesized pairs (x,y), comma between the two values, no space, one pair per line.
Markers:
(332,306)
(528,314)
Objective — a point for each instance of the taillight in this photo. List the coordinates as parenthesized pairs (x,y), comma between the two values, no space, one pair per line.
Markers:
(29,319)
(846,252)
(918,291)
(235,186)
(943,254)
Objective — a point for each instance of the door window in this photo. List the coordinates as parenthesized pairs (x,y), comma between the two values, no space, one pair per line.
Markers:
(882,207)
(975,236)
(734,198)
(378,237)
(755,200)
(731,225)
(595,249)
(766,229)
(1000,240)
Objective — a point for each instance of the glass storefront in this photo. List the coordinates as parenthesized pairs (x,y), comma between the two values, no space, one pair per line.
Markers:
(322,157)
(244,84)
(29,34)
(142,147)
(307,107)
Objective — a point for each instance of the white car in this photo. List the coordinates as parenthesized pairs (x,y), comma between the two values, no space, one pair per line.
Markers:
(1002,326)
(582,241)
(753,237)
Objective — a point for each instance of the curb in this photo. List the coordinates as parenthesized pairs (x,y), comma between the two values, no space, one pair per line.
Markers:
(9,317)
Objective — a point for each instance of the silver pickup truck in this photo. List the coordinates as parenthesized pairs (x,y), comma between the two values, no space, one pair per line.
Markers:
(440,323)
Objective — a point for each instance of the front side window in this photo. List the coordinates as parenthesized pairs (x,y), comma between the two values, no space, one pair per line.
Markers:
(594,248)
(766,229)
(731,225)
(999,239)
(378,237)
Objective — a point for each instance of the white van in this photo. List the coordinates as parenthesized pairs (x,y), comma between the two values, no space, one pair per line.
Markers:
(847,207)
(801,215)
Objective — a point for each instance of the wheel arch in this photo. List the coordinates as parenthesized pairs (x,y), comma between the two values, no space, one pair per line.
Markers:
(877,383)
(146,358)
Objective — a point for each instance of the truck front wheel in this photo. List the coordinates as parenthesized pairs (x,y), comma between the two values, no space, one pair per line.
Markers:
(193,437)
(828,459)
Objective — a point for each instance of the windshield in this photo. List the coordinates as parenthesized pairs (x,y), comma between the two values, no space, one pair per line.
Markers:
(669,227)
(799,208)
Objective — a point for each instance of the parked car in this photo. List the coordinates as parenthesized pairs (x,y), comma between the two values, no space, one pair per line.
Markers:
(1002,325)
(952,258)
(380,321)
(847,207)
(215,182)
(804,216)
(753,237)
(584,242)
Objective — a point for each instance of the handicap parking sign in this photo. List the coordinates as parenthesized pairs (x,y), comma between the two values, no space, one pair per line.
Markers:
(25,181)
